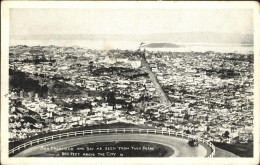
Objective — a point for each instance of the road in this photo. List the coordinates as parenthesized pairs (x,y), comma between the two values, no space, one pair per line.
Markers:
(163,97)
(179,145)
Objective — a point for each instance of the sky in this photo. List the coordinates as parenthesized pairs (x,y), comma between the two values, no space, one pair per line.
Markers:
(129,21)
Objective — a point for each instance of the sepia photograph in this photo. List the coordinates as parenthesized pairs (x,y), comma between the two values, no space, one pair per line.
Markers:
(110,80)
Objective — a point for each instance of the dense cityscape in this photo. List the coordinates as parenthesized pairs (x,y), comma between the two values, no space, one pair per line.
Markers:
(206,94)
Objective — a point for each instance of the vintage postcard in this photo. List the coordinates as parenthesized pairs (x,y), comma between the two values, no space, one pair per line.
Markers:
(130,83)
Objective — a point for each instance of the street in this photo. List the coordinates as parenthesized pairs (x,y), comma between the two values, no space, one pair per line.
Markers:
(163,97)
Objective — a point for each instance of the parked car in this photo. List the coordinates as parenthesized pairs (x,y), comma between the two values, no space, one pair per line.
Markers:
(193,143)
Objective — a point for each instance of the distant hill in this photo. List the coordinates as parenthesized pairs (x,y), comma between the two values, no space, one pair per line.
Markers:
(183,37)
(204,37)
(161,45)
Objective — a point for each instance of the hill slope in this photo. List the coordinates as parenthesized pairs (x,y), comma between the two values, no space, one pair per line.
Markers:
(184,37)
(242,150)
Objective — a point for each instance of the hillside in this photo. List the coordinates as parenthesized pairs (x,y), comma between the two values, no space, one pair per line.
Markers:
(242,150)
(183,37)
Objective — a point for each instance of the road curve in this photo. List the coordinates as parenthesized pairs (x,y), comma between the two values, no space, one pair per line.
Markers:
(179,145)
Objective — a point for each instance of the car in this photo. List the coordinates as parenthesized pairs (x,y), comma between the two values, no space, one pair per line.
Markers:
(193,143)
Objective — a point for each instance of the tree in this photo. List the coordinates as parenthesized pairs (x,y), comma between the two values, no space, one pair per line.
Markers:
(44,89)
(91,66)
(52,99)
(207,118)
(208,128)
(111,98)
(188,132)
(186,116)
(226,134)
(130,107)
(90,107)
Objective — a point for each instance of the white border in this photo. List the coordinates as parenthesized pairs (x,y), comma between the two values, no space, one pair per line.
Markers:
(5,6)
